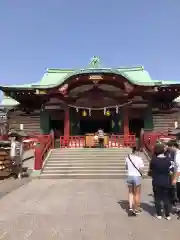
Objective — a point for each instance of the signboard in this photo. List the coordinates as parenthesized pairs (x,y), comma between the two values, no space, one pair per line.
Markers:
(95,70)
(96,77)
(51,107)
(40,92)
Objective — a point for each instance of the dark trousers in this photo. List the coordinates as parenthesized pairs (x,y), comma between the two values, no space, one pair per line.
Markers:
(178,191)
(101,142)
(172,195)
(161,195)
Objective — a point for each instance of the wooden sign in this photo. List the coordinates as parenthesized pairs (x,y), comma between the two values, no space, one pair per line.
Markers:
(52,107)
(95,77)
(40,92)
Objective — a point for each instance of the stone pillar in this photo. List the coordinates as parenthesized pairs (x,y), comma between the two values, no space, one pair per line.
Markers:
(148,118)
(66,123)
(126,121)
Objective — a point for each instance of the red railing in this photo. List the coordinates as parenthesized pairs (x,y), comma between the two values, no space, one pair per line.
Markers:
(114,141)
(72,141)
(43,144)
(150,139)
(119,141)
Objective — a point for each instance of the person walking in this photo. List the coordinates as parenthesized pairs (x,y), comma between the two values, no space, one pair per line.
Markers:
(176,179)
(161,171)
(16,154)
(100,133)
(170,152)
(134,166)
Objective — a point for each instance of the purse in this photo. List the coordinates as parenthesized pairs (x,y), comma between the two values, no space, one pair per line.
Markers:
(135,166)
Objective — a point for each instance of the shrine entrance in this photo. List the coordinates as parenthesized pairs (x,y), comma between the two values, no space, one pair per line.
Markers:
(92,126)
(135,126)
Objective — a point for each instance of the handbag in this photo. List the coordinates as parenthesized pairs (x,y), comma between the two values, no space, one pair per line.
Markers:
(135,166)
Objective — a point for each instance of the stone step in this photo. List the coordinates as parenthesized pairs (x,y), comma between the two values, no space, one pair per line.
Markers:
(94,159)
(82,163)
(86,163)
(92,162)
(86,168)
(91,150)
(89,155)
(83,176)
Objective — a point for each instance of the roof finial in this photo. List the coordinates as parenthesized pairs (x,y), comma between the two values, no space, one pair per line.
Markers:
(95,62)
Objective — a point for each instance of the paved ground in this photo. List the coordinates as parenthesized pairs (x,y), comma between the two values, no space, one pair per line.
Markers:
(79,209)
(11,184)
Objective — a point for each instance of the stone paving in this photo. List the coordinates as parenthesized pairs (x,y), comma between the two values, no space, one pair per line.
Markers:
(79,210)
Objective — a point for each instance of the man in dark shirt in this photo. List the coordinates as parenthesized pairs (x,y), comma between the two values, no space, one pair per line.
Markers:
(169,150)
(170,153)
(161,169)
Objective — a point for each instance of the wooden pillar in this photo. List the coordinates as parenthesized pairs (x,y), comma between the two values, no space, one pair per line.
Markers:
(66,123)
(126,121)
(148,118)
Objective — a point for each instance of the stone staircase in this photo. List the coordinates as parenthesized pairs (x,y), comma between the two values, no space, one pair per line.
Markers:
(87,163)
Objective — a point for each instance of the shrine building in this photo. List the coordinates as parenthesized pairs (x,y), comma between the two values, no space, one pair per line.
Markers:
(73,102)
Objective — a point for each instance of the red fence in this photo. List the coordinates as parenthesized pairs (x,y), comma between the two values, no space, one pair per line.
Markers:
(122,141)
(43,144)
(114,141)
(150,139)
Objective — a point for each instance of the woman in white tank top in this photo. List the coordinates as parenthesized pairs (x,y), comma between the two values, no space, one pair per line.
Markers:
(134,166)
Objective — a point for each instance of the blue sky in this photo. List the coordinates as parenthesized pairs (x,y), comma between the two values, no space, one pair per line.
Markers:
(40,34)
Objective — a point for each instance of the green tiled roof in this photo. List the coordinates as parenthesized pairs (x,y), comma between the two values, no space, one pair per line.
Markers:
(55,77)
(8,102)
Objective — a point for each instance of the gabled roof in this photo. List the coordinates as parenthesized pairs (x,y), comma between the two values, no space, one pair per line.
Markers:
(56,77)
(8,102)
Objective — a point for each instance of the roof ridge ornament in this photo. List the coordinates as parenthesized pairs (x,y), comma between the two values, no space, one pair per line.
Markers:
(95,62)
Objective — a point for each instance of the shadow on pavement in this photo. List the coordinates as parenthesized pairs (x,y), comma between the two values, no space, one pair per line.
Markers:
(9,185)
(146,207)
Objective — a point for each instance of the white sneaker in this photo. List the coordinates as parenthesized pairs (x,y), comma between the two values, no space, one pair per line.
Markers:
(19,176)
(168,218)
(158,217)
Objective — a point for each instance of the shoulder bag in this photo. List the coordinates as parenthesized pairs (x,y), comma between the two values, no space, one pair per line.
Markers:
(135,166)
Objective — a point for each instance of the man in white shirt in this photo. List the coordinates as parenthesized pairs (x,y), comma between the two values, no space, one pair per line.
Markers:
(176,179)
(16,153)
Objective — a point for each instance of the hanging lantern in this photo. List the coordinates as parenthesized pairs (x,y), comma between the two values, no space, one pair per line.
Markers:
(108,113)
(104,111)
(89,112)
(84,113)
(77,109)
(119,123)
